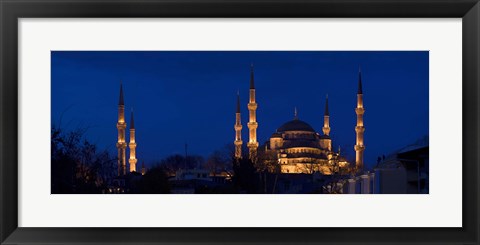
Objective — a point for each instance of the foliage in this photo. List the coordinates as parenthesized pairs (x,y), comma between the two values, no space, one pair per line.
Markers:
(220,160)
(77,165)
(171,164)
(245,178)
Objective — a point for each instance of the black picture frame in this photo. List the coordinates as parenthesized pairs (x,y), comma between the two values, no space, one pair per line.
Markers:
(11,11)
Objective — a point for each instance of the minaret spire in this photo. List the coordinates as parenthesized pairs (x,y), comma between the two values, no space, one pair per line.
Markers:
(133,145)
(238,102)
(359,129)
(252,122)
(238,130)
(295,114)
(121,144)
(359,91)
(326,119)
(132,123)
(120,100)
(252,79)
(327,113)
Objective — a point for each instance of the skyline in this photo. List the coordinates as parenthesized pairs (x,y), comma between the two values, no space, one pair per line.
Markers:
(183,97)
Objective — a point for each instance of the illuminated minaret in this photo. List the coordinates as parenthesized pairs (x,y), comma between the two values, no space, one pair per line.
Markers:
(252,122)
(326,119)
(238,130)
(121,126)
(133,159)
(359,129)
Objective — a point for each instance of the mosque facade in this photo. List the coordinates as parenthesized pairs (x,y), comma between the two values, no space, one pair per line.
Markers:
(295,146)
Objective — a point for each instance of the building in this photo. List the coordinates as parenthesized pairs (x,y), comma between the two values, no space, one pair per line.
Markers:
(299,149)
(193,181)
(121,143)
(361,184)
(295,155)
(295,145)
(406,171)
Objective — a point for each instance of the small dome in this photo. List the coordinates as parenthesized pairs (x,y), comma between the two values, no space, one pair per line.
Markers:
(295,125)
(276,135)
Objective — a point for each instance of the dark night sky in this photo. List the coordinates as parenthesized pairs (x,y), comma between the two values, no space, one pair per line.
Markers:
(189,97)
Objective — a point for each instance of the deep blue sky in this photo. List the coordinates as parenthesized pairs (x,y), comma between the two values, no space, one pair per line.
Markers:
(190,97)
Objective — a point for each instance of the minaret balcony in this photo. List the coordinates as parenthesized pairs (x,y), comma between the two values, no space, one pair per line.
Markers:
(359,147)
(326,130)
(359,129)
(133,163)
(252,106)
(250,124)
(238,127)
(359,111)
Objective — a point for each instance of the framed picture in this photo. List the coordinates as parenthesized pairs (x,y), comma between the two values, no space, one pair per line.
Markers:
(253,122)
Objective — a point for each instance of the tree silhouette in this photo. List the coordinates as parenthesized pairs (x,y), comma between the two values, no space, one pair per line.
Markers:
(77,166)
(245,177)
(155,181)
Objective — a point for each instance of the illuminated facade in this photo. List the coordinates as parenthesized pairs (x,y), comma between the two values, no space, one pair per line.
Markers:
(252,122)
(299,149)
(326,120)
(296,146)
(133,159)
(121,144)
(360,128)
(238,131)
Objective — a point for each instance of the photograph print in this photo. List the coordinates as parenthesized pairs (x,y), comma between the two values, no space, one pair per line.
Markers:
(239,122)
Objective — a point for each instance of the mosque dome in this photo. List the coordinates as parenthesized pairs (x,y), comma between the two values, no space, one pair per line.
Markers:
(276,135)
(295,125)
